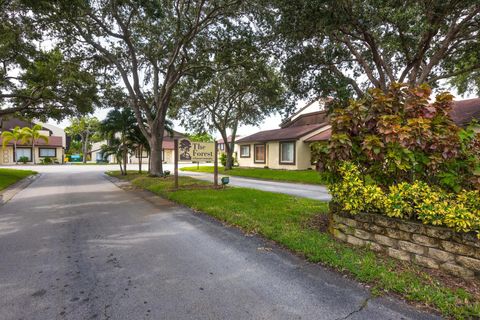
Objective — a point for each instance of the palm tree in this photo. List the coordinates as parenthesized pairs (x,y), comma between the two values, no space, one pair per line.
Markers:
(122,123)
(33,134)
(15,136)
(139,144)
(115,148)
(119,121)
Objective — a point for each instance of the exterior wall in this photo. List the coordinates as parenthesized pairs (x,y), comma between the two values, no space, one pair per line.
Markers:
(7,154)
(56,131)
(135,160)
(168,154)
(59,154)
(313,106)
(429,246)
(302,156)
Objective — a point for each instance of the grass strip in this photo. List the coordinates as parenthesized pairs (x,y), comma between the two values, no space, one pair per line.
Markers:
(287,220)
(11,176)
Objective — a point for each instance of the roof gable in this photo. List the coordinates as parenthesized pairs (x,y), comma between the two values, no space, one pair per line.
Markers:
(464,111)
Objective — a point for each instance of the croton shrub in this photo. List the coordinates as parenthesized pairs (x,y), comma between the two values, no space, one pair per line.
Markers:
(402,136)
(399,153)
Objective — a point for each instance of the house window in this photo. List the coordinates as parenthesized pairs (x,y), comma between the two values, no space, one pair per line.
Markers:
(24,152)
(245,151)
(287,152)
(47,152)
(259,154)
(221,146)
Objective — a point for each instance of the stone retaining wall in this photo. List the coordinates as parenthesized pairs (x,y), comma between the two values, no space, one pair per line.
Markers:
(428,246)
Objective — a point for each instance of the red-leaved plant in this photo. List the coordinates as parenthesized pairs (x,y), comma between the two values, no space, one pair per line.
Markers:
(401,135)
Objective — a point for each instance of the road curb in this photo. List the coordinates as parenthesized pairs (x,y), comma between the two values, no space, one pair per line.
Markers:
(11,191)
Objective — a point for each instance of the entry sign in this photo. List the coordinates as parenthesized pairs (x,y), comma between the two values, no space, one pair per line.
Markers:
(196,151)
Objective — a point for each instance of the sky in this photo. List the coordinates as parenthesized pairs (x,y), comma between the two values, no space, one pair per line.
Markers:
(271,122)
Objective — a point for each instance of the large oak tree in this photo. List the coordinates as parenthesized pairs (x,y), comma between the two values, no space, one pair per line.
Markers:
(149,45)
(342,47)
(242,89)
(35,81)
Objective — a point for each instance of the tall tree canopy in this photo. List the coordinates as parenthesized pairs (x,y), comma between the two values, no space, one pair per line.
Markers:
(86,128)
(149,45)
(340,48)
(243,89)
(36,82)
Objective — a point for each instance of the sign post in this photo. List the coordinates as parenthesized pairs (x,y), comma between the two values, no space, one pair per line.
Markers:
(175,145)
(215,166)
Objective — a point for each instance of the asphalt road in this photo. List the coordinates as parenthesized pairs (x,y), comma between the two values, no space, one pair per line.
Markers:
(75,246)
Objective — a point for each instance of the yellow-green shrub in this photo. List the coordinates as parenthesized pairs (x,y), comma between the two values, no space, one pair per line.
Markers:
(416,200)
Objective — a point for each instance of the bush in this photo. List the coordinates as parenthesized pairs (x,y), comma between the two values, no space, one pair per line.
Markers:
(416,200)
(46,160)
(223,159)
(23,159)
(399,136)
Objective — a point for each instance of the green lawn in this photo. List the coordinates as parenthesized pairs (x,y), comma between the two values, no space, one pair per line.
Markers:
(298,176)
(10,176)
(292,222)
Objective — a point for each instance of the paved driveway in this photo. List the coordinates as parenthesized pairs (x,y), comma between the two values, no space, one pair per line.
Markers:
(310,191)
(75,246)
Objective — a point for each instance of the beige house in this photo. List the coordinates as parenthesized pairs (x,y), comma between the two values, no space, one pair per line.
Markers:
(54,148)
(287,147)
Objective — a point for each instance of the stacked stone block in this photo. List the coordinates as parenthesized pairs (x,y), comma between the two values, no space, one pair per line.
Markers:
(428,246)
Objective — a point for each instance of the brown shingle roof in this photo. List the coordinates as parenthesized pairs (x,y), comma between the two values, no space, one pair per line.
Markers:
(53,141)
(322,136)
(307,118)
(290,133)
(464,111)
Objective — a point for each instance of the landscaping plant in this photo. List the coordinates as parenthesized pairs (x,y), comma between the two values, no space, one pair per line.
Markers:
(401,155)
(416,200)
(33,135)
(14,136)
(23,159)
(401,136)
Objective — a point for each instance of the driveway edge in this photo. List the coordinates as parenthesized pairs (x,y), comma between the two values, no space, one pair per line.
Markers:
(11,191)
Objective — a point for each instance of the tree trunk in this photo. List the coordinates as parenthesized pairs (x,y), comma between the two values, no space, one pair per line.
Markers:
(156,165)
(15,152)
(119,159)
(33,151)
(85,148)
(125,155)
(149,160)
(229,152)
(229,147)
(140,148)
